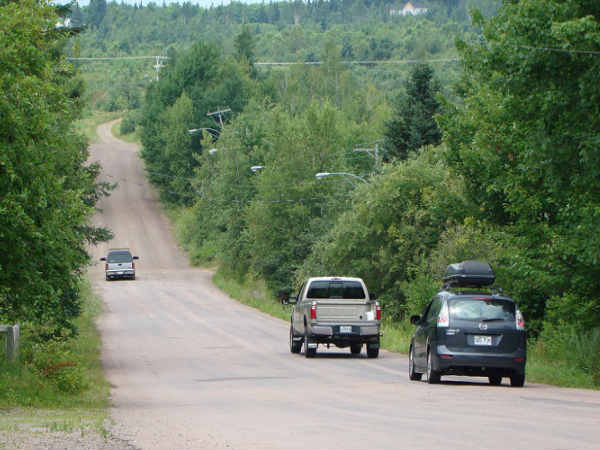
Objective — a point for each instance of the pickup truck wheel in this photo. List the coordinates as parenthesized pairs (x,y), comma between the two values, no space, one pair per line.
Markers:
(355,348)
(372,352)
(295,346)
(412,372)
(308,352)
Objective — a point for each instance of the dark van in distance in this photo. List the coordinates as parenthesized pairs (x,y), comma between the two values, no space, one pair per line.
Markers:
(467,329)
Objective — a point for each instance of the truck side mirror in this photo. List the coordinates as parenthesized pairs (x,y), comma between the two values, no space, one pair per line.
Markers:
(285,297)
(372,295)
(103,258)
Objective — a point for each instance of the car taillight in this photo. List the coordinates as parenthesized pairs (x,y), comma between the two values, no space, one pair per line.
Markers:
(519,320)
(313,310)
(443,319)
(132,265)
(378,311)
(106,266)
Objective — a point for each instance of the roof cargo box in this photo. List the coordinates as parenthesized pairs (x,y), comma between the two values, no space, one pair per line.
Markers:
(469,273)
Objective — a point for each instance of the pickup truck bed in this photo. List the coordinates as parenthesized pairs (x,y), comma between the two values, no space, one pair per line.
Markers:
(334,310)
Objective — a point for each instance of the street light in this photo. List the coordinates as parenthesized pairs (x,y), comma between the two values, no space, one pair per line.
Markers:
(343,174)
(256,168)
(212,151)
(211,130)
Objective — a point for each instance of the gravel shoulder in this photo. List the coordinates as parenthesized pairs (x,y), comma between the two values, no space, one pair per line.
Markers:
(35,429)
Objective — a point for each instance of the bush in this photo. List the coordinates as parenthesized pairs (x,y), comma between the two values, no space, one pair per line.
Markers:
(54,360)
(129,122)
(566,342)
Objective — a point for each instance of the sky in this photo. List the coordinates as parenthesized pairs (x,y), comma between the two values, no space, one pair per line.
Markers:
(204,3)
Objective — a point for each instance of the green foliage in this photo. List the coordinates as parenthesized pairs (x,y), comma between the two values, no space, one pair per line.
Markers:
(565,341)
(526,142)
(413,124)
(47,193)
(57,370)
(392,225)
(130,122)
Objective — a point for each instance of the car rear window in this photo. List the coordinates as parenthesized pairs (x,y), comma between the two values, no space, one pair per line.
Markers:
(119,257)
(336,289)
(482,309)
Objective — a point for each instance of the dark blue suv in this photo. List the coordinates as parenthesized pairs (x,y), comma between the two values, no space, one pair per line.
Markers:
(469,330)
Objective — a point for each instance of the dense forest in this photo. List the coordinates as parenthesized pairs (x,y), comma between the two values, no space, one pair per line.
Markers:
(470,131)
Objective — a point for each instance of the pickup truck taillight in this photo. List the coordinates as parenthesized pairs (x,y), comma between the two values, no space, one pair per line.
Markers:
(106,266)
(378,311)
(132,265)
(313,311)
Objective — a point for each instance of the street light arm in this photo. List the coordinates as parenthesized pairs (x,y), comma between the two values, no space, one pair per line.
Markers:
(195,130)
(343,174)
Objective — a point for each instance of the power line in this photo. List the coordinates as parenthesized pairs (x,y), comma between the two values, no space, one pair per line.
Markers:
(561,50)
(116,58)
(359,63)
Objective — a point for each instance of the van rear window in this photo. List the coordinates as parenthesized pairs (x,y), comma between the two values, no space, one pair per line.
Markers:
(475,309)
(336,289)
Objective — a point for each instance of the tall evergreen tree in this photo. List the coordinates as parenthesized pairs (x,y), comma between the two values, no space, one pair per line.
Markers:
(413,124)
(96,12)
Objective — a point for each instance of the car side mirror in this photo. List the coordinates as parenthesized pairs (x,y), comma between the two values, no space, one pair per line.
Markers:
(136,257)
(103,258)
(415,320)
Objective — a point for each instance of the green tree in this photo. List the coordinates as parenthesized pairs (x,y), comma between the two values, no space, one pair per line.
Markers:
(96,12)
(244,46)
(393,224)
(526,140)
(413,124)
(47,192)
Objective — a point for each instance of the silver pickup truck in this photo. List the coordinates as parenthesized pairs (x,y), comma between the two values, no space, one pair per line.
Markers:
(334,310)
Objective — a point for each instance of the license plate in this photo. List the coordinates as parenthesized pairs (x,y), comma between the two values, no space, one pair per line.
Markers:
(345,329)
(120,273)
(482,340)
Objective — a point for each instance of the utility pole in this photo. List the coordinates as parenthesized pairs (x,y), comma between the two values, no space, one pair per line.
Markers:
(158,65)
(374,152)
(220,114)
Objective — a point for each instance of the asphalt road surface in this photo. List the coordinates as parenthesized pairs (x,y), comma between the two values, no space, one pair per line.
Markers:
(191,368)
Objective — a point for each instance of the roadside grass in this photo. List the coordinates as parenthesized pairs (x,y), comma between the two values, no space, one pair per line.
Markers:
(252,293)
(90,120)
(77,400)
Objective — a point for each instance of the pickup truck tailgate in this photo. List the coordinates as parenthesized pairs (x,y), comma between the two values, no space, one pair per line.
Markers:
(343,311)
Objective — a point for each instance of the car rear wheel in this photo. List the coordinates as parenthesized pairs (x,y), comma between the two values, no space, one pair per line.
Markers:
(372,352)
(308,352)
(355,348)
(517,380)
(295,346)
(495,380)
(412,371)
(433,376)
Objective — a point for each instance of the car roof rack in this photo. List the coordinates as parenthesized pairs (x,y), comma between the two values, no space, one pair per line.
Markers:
(461,289)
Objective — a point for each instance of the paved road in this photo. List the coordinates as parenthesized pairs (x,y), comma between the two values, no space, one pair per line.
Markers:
(192,369)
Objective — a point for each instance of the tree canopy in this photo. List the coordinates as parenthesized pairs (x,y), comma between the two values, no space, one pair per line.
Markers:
(47,190)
